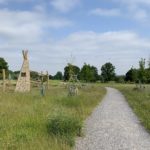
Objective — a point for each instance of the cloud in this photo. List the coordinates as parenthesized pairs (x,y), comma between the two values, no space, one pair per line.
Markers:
(105,12)
(137,9)
(135,2)
(20,1)
(64,5)
(141,15)
(123,49)
(27,26)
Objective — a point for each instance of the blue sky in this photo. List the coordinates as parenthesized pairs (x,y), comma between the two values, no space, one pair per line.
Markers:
(95,32)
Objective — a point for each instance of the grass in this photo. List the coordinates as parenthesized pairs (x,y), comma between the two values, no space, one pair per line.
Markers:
(139,100)
(29,121)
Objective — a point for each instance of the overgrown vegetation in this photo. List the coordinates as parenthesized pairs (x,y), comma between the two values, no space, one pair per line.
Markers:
(139,100)
(65,126)
(140,75)
(29,121)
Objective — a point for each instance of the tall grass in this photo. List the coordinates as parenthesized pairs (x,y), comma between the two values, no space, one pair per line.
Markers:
(28,119)
(139,100)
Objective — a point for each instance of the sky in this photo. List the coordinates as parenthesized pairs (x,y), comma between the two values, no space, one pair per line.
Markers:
(57,32)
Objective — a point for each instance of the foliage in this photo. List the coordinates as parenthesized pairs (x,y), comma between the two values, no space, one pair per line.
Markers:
(132,75)
(108,72)
(120,79)
(34,75)
(139,102)
(71,70)
(141,72)
(147,75)
(64,126)
(25,116)
(3,65)
(88,73)
(16,75)
(58,76)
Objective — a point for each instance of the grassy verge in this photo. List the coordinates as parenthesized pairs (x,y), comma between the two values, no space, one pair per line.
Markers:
(139,100)
(29,121)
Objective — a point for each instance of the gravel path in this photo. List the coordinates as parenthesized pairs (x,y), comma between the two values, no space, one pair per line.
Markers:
(113,126)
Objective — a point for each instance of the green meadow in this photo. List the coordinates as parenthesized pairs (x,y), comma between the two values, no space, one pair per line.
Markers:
(139,101)
(30,121)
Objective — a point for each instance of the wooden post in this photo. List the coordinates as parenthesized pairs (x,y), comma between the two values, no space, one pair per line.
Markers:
(42,77)
(47,79)
(42,88)
(9,80)
(4,80)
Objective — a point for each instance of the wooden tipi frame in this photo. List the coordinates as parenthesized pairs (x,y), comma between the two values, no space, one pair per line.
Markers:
(23,83)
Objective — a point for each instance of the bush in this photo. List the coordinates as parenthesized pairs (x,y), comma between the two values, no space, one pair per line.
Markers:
(65,127)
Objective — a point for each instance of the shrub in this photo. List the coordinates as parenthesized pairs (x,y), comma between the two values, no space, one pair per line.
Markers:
(64,125)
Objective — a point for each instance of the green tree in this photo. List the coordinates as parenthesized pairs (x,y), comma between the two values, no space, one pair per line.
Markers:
(149,64)
(142,71)
(89,73)
(120,79)
(34,75)
(147,74)
(71,70)
(108,72)
(3,65)
(132,75)
(58,76)
(16,74)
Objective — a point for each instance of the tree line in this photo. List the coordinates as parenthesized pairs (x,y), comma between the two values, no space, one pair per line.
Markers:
(89,73)
(142,74)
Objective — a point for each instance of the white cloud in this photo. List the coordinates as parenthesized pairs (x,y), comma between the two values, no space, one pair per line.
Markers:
(64,5)
(141,15)
(105,12)
(135,2)
(137,9)
(20,1)
(123,49)
(27,26)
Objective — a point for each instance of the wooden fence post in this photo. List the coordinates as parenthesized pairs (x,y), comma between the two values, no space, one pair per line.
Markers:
(4,80)
(47,79)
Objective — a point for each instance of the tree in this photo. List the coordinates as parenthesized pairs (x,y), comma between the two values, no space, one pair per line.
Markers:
(142,72)
(34,75)
(71,70)
(149,63)
(58,76)
(89,73)
(108,72)
(132,75)
(3,65)
(16,75)
(147,74)
(120,79)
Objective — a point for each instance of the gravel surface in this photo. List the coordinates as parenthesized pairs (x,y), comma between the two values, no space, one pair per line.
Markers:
(113,126)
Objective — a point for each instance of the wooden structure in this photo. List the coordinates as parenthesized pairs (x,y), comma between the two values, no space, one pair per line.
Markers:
(4,80)
(23,83)
(45,78)
(73,85)
(47,75)
(44,83)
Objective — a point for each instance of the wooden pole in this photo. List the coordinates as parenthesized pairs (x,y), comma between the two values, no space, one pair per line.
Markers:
(4,80)
(42,76)
(47,74)
(42,84)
